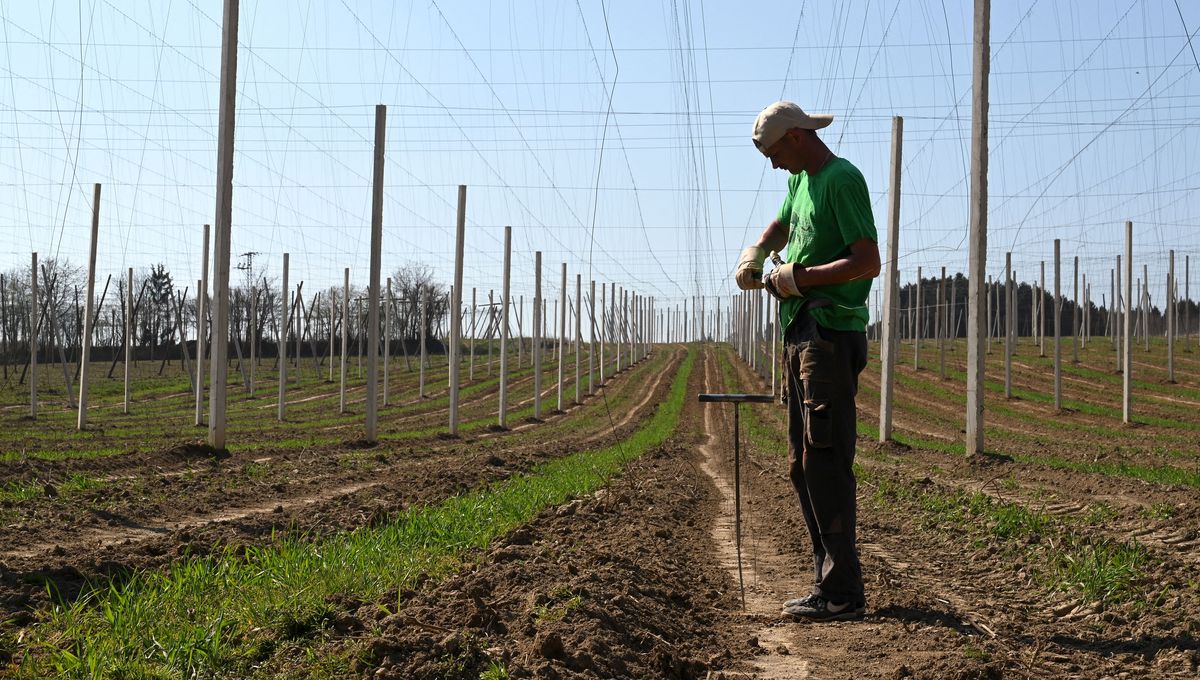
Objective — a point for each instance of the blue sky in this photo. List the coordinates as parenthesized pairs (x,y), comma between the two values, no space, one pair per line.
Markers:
(614,138)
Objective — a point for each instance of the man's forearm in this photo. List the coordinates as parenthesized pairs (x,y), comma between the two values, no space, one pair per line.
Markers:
(838,271)
(861,263)
(774,237)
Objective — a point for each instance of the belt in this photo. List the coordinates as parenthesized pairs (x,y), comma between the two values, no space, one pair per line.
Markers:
(813,303)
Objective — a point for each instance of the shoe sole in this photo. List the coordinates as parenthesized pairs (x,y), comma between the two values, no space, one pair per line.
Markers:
(853,615)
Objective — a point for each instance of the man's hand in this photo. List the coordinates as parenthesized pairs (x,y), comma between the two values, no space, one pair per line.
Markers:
(781,282)
(749,268)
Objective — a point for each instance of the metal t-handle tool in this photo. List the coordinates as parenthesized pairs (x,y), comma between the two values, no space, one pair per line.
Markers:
(737,400)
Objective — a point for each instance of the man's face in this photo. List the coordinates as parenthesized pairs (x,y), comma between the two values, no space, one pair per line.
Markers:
(787,153)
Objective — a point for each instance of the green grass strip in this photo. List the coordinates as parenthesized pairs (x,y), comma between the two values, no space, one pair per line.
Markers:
(222,617)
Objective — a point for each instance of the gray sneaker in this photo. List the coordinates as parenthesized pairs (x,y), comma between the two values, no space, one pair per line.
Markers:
(817,608)
(800,601)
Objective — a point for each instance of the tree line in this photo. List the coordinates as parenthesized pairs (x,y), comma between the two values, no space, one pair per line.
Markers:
(164,312)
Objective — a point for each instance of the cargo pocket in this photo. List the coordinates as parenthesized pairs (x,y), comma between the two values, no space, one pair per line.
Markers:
(816,372)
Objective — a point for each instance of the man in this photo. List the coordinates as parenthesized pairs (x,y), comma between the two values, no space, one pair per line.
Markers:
(831,257)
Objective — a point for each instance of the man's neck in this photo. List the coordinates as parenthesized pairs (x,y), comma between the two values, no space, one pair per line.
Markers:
(820,159)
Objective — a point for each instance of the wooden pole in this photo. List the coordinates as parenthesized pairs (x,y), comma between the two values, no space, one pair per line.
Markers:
(4,323)
(1057,326)
(471,361)
(592,343)
(201,318)
(504,299)
(387,341)
(920,325)
(424,312)
(332,316)
(491,327)
(618,329)
(373,289)
(578,336)
(253,338)
(298,322)
(603,332)
(1169,308)
(1127,358)
(345,339)
(1075,312)
(281,343)
(1146,305)
(537,337)
(889,344)
(456,307)
(34,323)
(86,339)
(943,322)
(225,130)
(562,336)
(1008,306)
(129,332)
(977,258)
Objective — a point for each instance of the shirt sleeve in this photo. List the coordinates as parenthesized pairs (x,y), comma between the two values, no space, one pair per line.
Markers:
(852,206)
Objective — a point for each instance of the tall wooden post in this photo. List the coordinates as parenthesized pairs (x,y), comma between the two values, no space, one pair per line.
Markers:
(562,337)
(253,339)
(345,339)
(1127,358)
(201,327)
(129,332)
(424,302)
(224,216)
(34,323)
(920,325)
(537,334)
(592,343)
(86,340)
(943,323)
(471,360)
(1008,306)
(1057,326)
(281,344)
(491,322)
(456,307)
(603,330)
(578,336)
(504,298)
(332,316)
(618,329)
(387,339)
(1169,309)
(4,325)
(1042,312)
(1146,305)
(1075,312)
(372,405)
(977,258)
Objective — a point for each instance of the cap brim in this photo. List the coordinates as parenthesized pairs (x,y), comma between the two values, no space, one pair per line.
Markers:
(820,120)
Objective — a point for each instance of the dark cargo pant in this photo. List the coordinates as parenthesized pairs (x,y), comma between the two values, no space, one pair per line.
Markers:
(823,367)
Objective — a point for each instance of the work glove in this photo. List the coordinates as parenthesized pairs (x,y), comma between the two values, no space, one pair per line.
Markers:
(749,268)
(781,282)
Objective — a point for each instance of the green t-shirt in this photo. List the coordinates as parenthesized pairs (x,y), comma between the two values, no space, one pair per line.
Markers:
(825,213)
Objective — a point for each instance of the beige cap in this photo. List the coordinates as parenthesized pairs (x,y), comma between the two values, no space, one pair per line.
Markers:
(778,118)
